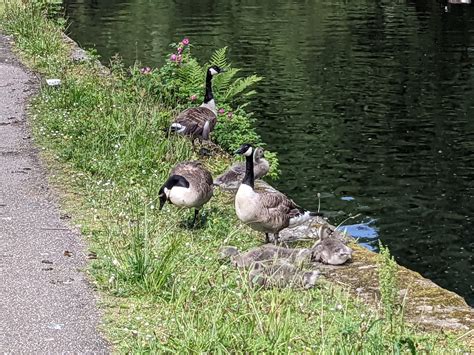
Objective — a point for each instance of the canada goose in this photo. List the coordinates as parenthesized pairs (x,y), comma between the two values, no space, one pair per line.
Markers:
(198,122)
(189,185)
(265,211)
(232,178)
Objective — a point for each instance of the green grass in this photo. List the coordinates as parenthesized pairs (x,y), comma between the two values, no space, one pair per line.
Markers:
(162,285)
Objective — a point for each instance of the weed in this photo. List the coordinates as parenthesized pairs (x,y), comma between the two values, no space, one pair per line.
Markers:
(388,283)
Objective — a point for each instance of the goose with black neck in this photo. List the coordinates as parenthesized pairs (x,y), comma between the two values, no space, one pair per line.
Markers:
(265,211)
(189,185)
(198,122)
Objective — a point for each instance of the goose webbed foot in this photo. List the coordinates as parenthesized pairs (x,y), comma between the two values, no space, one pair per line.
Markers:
(199,220)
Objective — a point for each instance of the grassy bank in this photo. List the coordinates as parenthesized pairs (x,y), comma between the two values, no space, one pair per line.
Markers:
(162,285)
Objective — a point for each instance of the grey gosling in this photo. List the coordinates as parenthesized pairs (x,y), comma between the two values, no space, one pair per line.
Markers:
(189,185)
(233,177)
(265,211)
(330,250)
(282,274)
(198,122)
(265,253)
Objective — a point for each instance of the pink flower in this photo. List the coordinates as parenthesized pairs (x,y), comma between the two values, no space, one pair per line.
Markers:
(180,50)
(221,111)
(145,70)
(179,58)
(173,57)
(185,41)
(193,97)
(229,115)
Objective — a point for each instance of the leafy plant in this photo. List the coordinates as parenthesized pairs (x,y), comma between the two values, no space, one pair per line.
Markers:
(388,284)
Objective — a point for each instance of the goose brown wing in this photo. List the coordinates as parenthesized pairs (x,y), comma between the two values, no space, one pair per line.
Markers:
(186,167)
(194,119)
(279,202)
(273,199)
(206,175)
(193,170)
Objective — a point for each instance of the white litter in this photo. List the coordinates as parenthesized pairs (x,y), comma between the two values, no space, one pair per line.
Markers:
(53,82)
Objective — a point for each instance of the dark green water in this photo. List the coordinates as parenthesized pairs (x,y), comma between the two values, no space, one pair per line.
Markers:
(370,103)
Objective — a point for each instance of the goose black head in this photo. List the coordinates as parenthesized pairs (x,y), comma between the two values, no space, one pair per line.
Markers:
(214,69)
(245,149)
(174,180)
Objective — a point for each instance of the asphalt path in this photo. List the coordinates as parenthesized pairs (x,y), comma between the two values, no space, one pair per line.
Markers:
(46,302)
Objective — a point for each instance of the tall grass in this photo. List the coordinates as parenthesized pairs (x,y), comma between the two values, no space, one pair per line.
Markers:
(163,287)
(46,51)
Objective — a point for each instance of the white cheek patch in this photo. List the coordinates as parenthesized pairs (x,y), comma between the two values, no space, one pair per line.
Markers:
(248,152)
(178,127)
(213,71)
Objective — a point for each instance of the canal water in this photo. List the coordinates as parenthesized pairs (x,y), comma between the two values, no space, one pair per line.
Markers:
(369,103)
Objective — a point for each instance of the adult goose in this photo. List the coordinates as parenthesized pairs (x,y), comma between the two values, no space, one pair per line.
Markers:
(232,178)
(265,211)
(189,185)
(198,122)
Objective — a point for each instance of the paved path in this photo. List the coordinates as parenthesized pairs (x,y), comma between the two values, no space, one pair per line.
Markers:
(46,304)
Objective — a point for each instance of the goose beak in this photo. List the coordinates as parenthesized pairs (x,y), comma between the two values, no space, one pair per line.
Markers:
(239,151)
(162,200)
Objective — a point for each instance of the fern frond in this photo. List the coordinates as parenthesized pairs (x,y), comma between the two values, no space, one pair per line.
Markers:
(191,74)
(249,93)
(245,104)
(240,85)
(221,82)
(219,58)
